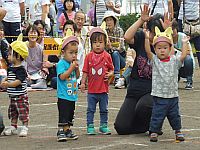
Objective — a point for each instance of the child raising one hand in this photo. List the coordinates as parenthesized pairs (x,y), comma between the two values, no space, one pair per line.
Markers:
(165,67)
(67,90)
(98,68)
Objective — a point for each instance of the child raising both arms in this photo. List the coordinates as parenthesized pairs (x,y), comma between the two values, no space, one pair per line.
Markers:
(98,68)
(16,85)
(165,82)
(67,90)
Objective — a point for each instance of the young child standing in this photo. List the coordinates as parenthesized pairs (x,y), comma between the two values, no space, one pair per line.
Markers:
(165,82)
(67,90)
(98,68)
(16,85)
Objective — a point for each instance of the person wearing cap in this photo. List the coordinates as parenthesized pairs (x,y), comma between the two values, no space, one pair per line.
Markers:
(67,90)
(138,100)
(16,85)
(97,70)
(165,67)
(116,43)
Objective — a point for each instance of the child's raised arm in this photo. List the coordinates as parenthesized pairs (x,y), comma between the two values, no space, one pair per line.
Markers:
(185,41)
(147,44)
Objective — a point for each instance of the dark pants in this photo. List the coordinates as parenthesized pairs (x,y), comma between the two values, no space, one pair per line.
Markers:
(195,40)
(187,70)
(135,113)
(11,29)
(165,107)
(66,112)
(1,124)
(93,99)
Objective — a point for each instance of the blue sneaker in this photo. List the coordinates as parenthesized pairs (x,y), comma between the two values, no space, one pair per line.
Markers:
(91,130)
(103,129)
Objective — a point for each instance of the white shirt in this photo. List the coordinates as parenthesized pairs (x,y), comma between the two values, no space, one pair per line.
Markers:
(161,6)
(13,10)
(191,10)
(35,9)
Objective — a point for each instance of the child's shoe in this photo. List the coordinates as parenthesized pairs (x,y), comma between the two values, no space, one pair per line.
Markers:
(70,135)
(61,136)
(91,129)
(153,137)
(179,136)
(23,132)
(10,131)
(103,129)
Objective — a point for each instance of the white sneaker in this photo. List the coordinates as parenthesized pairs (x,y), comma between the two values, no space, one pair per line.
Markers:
(41,84)
(120,84)
(23,132)
(10,131)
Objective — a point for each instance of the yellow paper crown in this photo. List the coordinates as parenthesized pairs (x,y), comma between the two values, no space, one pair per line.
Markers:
(20,47)
(165,36)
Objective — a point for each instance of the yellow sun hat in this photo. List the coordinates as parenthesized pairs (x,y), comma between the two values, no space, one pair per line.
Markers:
(20,47)
(165,36)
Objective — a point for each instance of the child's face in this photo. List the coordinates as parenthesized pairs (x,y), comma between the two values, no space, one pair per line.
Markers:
(70,52)
(69,26)
(98,45)
(11,58)
(69,5)
(162,50)
(32,35)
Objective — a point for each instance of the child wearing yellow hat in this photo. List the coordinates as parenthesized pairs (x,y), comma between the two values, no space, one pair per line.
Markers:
(16,85)
(165,67)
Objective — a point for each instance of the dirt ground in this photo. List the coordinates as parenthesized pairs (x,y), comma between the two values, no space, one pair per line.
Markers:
(44,118)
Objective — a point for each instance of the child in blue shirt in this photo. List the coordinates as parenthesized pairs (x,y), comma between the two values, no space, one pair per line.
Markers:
(67,74)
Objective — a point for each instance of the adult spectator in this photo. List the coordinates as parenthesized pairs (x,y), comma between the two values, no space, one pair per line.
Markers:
(42,29)
(38,10)
(186,71)
(191,14)
(116,43)
(82,34)
(104,5)
(12,20)
(34,61)
(138,101)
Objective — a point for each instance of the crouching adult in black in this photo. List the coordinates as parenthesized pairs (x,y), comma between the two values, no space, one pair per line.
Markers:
(135,113)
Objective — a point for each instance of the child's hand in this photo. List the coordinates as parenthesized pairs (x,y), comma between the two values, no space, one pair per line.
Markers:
(74,64)
(185,39)
(5,84)
(82,87)
(146,33)
(107,75)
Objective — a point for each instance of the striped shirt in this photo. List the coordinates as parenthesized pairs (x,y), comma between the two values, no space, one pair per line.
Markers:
(191,10)
(17,73)
(101,9)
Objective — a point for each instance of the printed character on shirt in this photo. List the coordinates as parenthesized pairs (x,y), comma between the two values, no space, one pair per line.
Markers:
(98,68)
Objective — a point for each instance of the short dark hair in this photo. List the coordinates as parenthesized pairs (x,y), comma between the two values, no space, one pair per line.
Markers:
(37,22)
(97,35)
(33,27)
(73,8)
(70,22)
(155,21)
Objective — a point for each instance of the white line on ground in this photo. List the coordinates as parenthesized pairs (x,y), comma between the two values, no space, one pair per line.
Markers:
(193,117)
